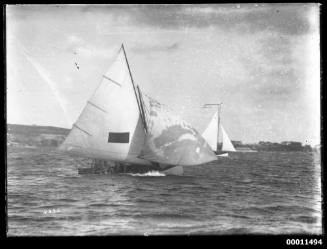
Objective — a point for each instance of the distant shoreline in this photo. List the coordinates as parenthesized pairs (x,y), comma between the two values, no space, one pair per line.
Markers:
(36,135)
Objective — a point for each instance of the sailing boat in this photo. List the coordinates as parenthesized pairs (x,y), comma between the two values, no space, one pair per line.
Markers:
(120,124)
(211,135)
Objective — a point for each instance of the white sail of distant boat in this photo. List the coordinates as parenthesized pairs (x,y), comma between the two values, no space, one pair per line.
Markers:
(211,135)
(117,125)
(227,144)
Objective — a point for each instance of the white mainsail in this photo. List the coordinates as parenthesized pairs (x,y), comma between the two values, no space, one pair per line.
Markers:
(110,126)
(227,144)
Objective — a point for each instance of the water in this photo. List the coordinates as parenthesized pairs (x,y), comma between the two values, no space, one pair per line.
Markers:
(250,193)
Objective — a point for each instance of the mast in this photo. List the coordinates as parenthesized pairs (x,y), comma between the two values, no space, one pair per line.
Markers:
(138,99)
(219,110)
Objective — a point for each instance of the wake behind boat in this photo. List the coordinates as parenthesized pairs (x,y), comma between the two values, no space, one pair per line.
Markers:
(129,130)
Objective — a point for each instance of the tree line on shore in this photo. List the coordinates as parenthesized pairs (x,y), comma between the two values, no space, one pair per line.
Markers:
(273,146)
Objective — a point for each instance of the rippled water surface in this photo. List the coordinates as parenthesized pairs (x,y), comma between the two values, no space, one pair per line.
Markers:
(264,192)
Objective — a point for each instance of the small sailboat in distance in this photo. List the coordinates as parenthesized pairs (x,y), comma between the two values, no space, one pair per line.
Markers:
(122,125)
(211,135)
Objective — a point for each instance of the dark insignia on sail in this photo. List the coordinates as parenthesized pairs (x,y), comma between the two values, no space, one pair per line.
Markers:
(118,137)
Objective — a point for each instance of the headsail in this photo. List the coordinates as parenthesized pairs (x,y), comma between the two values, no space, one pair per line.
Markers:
(110,126)
(210,133)
(170,140)
(227,144)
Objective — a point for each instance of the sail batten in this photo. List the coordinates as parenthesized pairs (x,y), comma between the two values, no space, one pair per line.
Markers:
(89,102)
(113,81)
(74,125)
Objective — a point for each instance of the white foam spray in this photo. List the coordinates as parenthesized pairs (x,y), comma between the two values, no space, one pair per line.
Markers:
(150,173)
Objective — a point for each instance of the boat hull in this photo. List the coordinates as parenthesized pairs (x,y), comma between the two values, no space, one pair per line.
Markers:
(103,168)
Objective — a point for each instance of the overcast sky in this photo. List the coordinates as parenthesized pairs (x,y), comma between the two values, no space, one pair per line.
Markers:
(260,60)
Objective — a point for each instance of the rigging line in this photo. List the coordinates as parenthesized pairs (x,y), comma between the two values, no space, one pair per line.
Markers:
(142,109)
(161,104)
(146,109)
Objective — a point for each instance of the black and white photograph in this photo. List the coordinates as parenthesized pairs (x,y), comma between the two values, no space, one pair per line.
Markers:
(163,119)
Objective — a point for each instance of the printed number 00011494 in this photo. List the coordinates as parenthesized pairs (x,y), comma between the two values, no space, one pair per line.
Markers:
(304,242)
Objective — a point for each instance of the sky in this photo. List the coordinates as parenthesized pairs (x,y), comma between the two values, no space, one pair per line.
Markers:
(261,60)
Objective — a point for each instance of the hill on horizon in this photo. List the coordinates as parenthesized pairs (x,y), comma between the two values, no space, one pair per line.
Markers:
(36,129)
